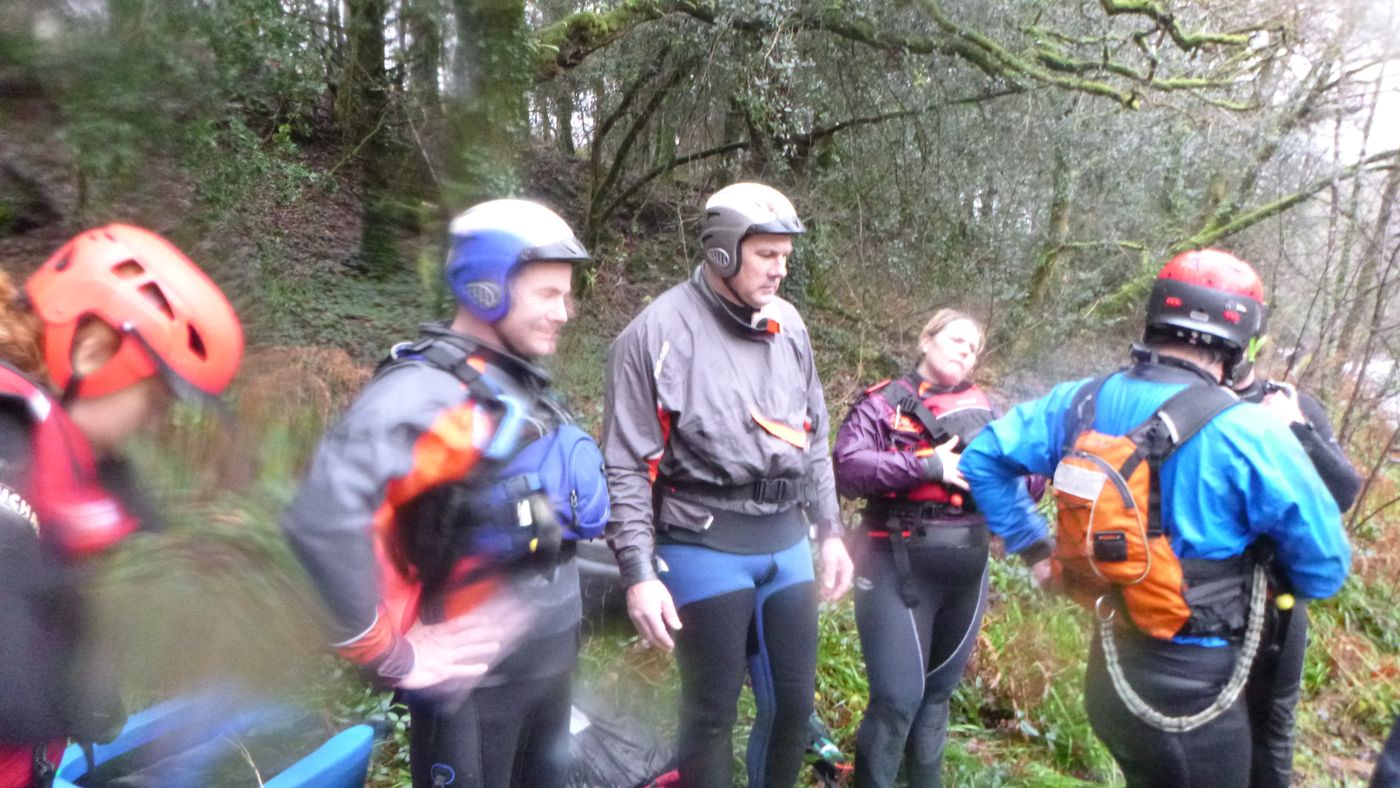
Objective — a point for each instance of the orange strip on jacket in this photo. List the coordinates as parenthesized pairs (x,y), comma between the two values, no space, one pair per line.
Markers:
(371,645)
(780,430)
(654,462)
(445,452)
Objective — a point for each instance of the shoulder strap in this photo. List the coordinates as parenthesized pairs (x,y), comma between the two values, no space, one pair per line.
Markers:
(913,404)
(1187,412)
(915,407)
(1173,424)
(1080,413)
(441,355)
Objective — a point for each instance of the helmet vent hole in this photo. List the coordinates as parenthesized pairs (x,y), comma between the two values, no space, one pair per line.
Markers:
(129,269)
(197,343)
(63,261)
(153,294)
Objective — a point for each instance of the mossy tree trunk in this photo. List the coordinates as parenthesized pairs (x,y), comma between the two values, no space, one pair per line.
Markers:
(362,107)
(488,119)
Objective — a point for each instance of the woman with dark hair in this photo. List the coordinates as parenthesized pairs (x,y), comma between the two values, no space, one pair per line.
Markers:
(921,552)
(91,352)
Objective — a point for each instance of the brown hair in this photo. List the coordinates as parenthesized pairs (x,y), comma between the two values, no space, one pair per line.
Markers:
(943,317)
(21,331)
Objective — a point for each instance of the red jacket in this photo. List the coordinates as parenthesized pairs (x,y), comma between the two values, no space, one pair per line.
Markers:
(43,528)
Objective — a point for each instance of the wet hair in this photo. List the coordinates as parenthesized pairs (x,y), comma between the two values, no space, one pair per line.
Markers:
(943,318)
(1214,353)
(21,331)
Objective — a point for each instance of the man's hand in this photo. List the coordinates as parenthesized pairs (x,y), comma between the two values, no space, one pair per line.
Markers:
(653,613)
(451,652)
(837,569)
(949,459)
(1283,402)
(1042,572)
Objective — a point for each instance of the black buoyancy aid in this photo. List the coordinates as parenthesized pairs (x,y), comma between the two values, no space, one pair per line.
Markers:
(73,511)
(926,416)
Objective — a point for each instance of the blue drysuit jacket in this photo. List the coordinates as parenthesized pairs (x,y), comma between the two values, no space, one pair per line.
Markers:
(1242,477)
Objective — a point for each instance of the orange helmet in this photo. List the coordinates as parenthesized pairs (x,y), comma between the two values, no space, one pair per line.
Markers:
(173,319)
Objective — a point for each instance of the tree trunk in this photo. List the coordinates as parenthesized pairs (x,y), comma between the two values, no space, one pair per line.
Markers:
(362,109)
(1368,288)
(421,19)
(564,117)
(489,119)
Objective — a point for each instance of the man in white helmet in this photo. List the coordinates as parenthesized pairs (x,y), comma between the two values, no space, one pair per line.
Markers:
(438,518)
(715,437)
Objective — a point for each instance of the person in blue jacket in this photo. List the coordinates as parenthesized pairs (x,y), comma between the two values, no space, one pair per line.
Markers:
(1243,481)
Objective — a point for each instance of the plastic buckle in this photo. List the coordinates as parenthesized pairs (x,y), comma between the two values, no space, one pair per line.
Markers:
(773,490)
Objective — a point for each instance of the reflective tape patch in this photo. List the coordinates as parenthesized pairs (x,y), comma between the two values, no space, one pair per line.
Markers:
(14,502)
(1079,481)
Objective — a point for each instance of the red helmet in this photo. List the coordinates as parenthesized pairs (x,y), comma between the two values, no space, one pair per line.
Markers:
(173,319)
(1207,296)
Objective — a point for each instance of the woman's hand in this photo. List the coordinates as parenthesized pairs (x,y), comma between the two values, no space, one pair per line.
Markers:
(1283,402)
(948,458)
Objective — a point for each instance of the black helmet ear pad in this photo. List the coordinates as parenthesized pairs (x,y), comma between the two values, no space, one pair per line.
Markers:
(722,262)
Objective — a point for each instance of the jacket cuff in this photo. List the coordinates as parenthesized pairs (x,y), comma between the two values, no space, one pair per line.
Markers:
(635,565)
(933,468)
(1037,551)
(389,668)
(830,528)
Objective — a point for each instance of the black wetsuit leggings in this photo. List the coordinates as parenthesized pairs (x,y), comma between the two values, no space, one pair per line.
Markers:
(1272,695)
(1176,679)
(754,614)
(915,656)
(515,734)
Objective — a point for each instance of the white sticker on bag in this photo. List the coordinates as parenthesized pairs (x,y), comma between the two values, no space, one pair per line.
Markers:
(1079,481)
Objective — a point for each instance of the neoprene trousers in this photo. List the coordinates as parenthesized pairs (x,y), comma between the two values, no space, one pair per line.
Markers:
(1176,679)
(743,613)
(1387,774)
(914,657)
(1272,695)
(515,734)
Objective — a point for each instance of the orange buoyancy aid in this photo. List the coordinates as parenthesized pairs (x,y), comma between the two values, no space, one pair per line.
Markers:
(1111,545)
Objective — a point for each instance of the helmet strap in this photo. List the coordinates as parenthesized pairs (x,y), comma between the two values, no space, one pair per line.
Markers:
(738,299)
(70,391)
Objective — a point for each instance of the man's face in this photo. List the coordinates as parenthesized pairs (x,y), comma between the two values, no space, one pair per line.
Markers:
(540,302)
(763,268)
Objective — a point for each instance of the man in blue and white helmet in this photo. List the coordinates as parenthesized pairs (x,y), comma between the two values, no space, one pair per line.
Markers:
(438,518)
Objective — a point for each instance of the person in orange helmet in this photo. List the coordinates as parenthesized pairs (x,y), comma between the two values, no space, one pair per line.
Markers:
(93,349)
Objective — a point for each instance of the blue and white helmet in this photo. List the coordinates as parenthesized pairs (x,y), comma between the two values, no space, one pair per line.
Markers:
(491,241)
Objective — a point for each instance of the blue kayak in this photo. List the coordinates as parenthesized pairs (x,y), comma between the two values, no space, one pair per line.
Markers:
(189,742)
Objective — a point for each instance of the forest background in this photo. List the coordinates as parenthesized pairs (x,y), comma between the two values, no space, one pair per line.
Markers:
(1031,161)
